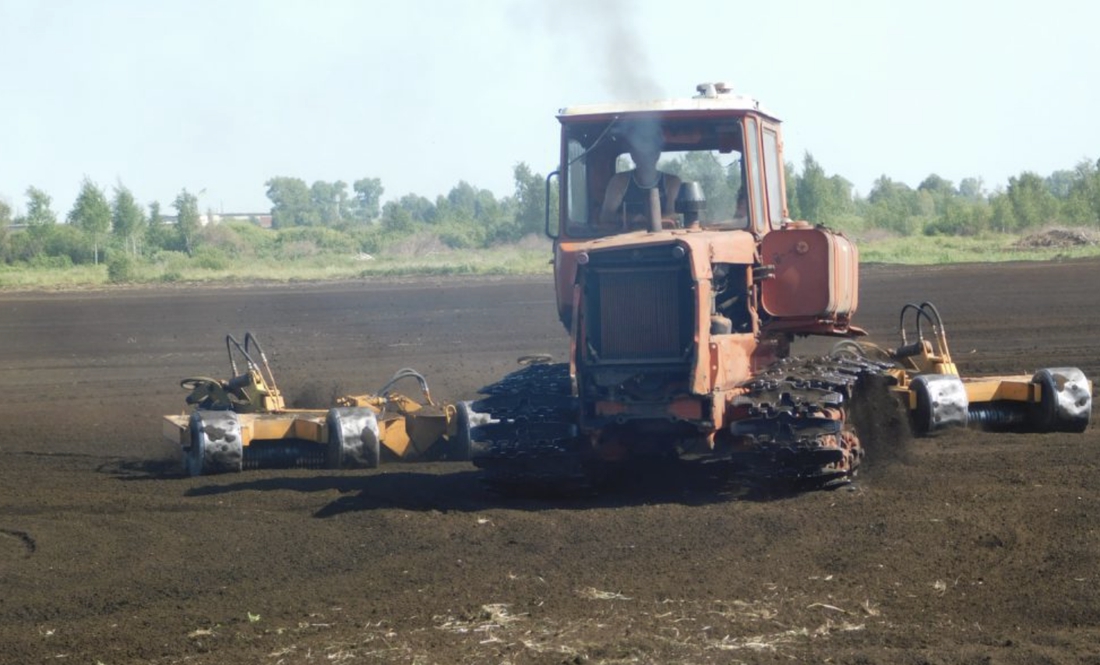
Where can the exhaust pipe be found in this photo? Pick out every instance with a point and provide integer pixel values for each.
(655, 208)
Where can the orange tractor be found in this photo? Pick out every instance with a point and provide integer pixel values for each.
(682, 288)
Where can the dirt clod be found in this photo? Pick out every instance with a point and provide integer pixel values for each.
(1058, 238)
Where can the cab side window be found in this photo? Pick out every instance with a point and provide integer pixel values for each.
(577, 199)
(773, 176)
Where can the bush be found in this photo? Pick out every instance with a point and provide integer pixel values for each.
(455, 236)
(50, 262)
(419, 245)
(325, 239)
(163, 237)
(229, 239)
(370, 240)
(211, 258)
(169, 257)
(261, 241)
(171, 263)
(298, 249)
(120, 269)
(60, 240)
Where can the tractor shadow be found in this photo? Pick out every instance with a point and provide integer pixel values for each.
(129, 469)
(460, 488)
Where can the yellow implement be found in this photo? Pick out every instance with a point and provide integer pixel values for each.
(243, 423)
(928, 384)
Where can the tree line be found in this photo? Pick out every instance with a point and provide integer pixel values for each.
(333, 217)
(306, 220)
(1069, 197)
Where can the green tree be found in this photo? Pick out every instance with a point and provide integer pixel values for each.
(127, 219)
(466, 210)
(1082, 205)
(937, 185)
(291, 203)
(792, 178)
(187, 219)
(157, 233)
(841, 199)
(1030, 201)
(718, 185)
(936, 192)
(498, 217)
(1060, 182)
(38, 208)
(530, 198)
(460, 205)
(419, 209)
(5, 222)
(893, 206)
(40, 220)
(397, 219)
(819, 197)
(329, 202)
(368, 194)
(972, 189)
(92, 214)
(960, 216)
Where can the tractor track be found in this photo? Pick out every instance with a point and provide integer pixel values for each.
(530, 445)
(794, 419)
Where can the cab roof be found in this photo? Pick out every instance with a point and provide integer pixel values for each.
(712, 97)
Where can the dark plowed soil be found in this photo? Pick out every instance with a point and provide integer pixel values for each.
(973, 548)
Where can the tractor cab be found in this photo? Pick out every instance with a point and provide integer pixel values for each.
(703, 177)
(724, 143)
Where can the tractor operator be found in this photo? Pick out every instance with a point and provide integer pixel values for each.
(626, 200)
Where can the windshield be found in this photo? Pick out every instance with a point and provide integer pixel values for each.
(611, 168)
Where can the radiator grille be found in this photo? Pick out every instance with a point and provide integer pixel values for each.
(640, 314)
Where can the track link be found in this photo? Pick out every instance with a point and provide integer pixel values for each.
(525, 438)
(794, 422)
(792, 425)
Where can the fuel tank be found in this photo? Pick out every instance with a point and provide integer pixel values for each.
(816, 273)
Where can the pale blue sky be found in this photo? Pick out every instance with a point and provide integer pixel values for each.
(220, 95)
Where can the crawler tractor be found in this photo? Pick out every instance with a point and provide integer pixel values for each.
(682, 303)
(243, 423)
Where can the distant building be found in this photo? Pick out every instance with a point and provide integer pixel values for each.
(261, 219)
